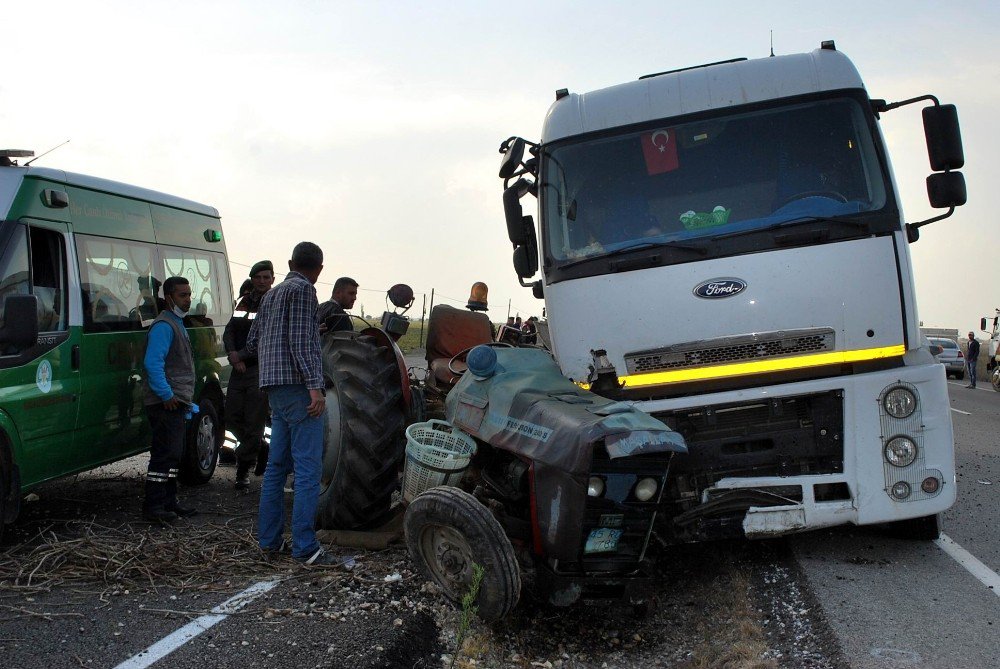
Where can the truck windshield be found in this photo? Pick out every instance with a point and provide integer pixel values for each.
(715, 177)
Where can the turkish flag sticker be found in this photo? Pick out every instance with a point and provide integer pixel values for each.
(659, 148)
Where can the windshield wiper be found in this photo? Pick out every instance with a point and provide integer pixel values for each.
(843, 222)
(699, 250)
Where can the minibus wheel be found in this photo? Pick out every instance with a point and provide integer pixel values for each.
(448, 531)
(925, 528)
(201, 447)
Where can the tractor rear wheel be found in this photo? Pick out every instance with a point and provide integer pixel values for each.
(364, 441)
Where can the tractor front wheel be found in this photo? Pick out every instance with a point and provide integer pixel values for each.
(448, 532)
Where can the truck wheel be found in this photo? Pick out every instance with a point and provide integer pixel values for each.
(201, 447)
(925, 528)
(447, 531)
(995, 379)
(4, 493)
(364, 443)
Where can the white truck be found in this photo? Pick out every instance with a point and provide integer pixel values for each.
(723, 246)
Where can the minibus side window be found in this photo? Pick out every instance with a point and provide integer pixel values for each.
(48, 278)
(120, 292)
(14, 277)
(207, 284)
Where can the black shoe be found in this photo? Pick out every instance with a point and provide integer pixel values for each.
(320, 559)
(243, 476)
(161, 516)
(184, 511)
(284, 549)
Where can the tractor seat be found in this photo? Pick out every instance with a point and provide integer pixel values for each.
(450, 332)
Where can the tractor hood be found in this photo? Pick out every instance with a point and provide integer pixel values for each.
(735, 317)
(527, 407)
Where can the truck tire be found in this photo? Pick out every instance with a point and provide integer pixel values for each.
(447, 531)
(364, 442)
(201, 446)
(995, 379)
(4, 493)
(925, 528)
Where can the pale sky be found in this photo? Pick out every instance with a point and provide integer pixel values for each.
(372, 128)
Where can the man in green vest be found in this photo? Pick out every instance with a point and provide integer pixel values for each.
(169, 391)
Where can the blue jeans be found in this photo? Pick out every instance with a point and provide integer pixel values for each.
(296, 444)
(971, 366)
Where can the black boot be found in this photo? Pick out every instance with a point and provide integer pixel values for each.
(243, 476)
(173, 505)
(154, 507)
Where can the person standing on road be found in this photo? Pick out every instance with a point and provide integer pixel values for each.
(246, 403)
(168, 389)
(285, 339)
(332, 314)
(971, 358)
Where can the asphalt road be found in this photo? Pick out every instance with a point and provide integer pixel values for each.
(895, 603)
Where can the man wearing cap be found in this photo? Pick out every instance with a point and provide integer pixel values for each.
(246, 403)
(332, 314)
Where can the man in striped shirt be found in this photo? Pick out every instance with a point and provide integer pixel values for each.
(285, 339)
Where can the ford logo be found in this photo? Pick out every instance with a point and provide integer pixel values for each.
(717, 288)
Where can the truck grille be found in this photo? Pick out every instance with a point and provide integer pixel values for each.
(742, 348)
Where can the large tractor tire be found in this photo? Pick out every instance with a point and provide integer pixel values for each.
(447, 532)
(364, 442)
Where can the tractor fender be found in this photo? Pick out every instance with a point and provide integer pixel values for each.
(383, 339)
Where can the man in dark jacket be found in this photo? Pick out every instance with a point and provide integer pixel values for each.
(971, 359)
(246, 403)
(168, 388)
(332, 314)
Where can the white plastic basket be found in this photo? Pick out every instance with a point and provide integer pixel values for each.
(437, 453)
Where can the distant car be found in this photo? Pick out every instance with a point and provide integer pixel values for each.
(951, 356)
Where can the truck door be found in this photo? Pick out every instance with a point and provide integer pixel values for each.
(41, 387)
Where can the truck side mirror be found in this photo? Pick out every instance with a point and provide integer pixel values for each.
(20, 321)
(982, 324)
(512, 157)
(946, 189)
(526, 258)
(516, 225)
(944, 138)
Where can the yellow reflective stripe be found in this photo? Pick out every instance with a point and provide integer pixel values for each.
(758, 366)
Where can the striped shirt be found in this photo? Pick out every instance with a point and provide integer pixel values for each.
(285, 336)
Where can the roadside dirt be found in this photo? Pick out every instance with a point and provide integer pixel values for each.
(738, 605)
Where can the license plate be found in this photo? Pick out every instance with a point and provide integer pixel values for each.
(602, 540)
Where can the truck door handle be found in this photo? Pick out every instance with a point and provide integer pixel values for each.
(74, 357)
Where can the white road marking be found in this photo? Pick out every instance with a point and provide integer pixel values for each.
(172, 642)
(962, 385)
(964, 413)
(984, 574)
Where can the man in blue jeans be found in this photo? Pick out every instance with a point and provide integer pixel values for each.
(972, 359)
(285, 339)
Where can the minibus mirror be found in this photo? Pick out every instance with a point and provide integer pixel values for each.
(512, 158)
(944, 138)
(946, 189)
(20, 316)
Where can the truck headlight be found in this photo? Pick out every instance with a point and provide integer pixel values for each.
(595, 486)
(899, 402)
(645, 489)
(901, 490)
(900, 451)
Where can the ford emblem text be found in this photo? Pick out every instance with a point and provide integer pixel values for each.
(717, 288)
